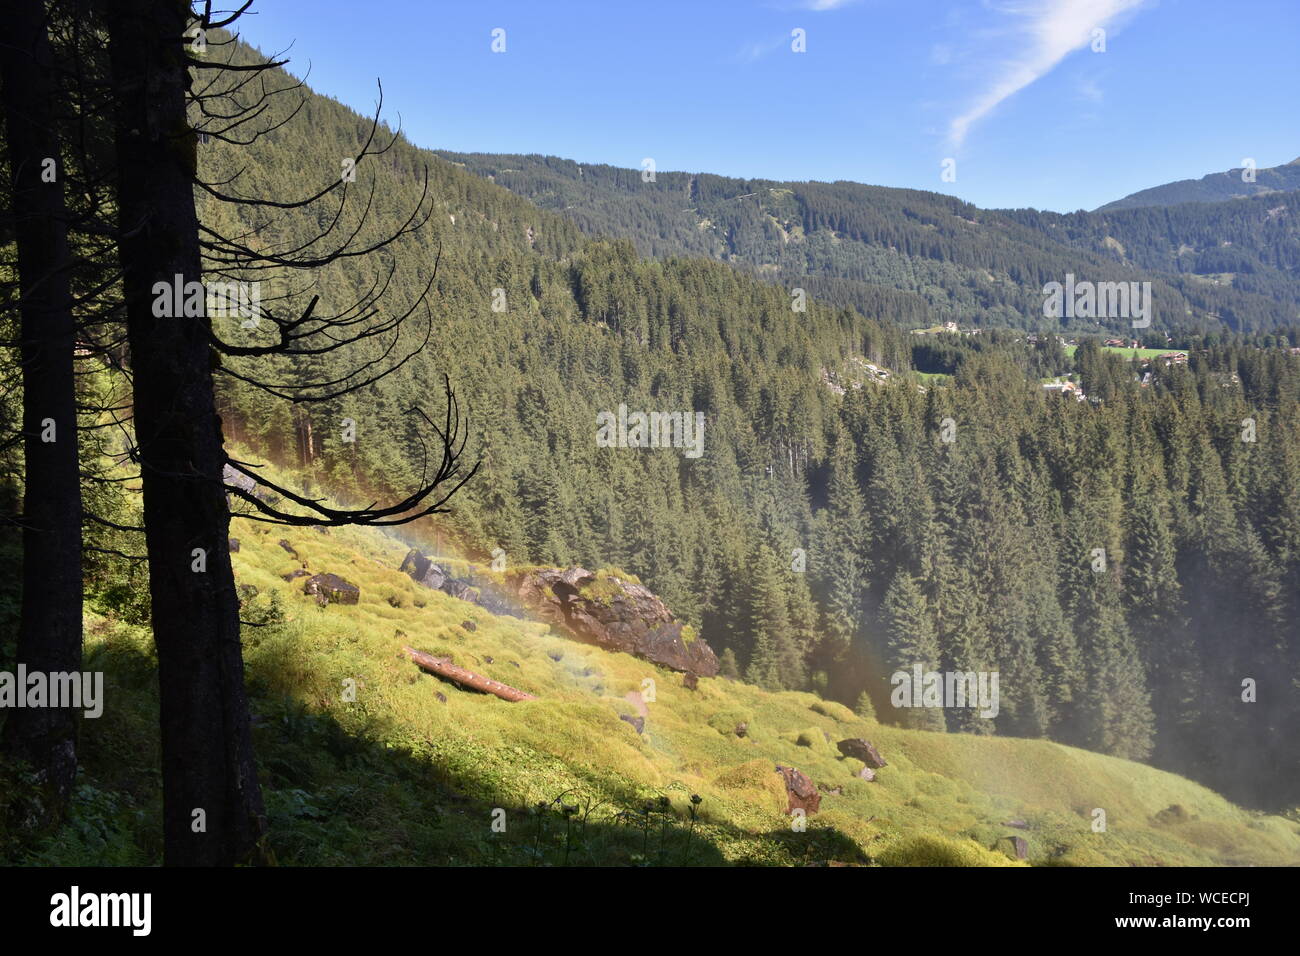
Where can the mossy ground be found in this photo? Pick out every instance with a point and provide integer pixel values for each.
(412, 770)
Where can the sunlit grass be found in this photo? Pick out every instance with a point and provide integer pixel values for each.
(367, 760)
(943, 798)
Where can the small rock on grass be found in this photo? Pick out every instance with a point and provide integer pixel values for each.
(638, 723)
(863, 750)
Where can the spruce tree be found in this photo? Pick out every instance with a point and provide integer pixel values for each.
(911, 641)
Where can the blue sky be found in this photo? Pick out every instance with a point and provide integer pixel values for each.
(1011, 90)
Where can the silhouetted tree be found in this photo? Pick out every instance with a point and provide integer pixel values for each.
(49, 635)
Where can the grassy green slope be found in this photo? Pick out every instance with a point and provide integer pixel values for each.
(411, 770)
(941, 794)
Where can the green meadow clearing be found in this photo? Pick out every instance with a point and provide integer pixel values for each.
(1131, 354)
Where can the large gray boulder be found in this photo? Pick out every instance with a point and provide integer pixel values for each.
(800, 790)
(615, 614)
(485, 592)
(331, 589)
(237, 479)
(863, 750)
(422, 570)
(601, 609)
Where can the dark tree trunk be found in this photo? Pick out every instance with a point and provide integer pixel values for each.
(206, 743)
(303, 433)
(49, 635)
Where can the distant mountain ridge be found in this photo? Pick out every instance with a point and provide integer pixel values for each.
(914, 257)
(1214, 187)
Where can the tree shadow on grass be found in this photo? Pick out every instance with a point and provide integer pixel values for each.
(336, 797)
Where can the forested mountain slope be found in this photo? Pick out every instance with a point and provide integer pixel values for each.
(913, 256)
(1251, 245)
(826, 535)
(1213, 187)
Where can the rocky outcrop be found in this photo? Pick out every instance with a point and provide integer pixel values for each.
(486, 593)
(613, 614)
(421, 570)
(237, 479)
(601, 609)
(800, 790)
(862, 750)
(331, 589)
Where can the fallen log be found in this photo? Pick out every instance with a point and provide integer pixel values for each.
(443, 667)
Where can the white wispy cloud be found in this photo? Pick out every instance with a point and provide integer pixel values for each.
(1090, 90)
(815, 6)
(1047, 31)
(757, 49)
